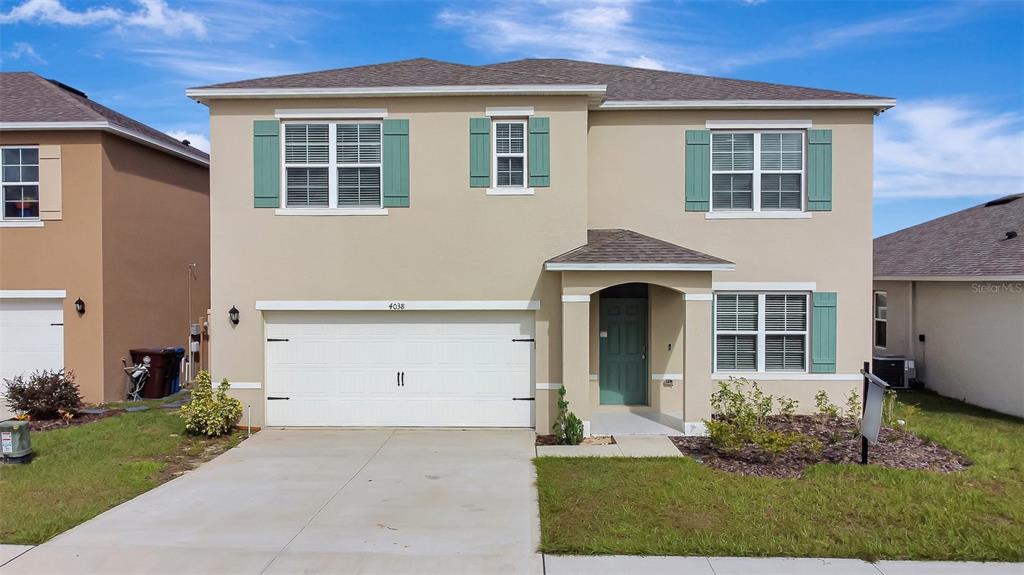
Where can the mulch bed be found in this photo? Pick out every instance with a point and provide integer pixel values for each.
(80, 419)
(593, 440)
(840, 443)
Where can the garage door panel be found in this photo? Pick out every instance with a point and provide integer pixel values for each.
(339, 369)
(31, 337)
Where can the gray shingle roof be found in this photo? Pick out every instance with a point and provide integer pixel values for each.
(625, 83)
(618, 246)
(28, 97)
(972, 242)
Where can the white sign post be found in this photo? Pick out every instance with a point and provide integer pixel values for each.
(871, 416)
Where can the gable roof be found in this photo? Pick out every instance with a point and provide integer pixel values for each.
(610, 249)
(975, 242)
(608, 86)
(31, 102)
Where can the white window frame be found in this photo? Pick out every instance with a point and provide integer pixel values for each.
(524, 154)
(757, 172)
(761, 333)
(3, 184)
(885, 320)
(332, 170)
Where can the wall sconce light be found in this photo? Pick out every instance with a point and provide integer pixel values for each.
(79, 306)
(233, 315)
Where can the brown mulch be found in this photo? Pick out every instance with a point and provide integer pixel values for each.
(80, 419)
(593, 440)
(840, 443)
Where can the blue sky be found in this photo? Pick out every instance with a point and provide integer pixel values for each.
(955, 139)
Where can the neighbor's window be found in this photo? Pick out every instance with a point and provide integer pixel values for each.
(757, 171)
(20, 183)
(332, 165)
(510, 153)
(881, 318)
(760, 332)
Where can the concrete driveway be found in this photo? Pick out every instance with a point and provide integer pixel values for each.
(324, 501)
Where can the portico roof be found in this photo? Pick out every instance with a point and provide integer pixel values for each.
(626, 250)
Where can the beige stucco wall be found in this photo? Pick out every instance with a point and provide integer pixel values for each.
(453, 243)
(974, 341)
(156, 220)
(899, 332)
(66, 254)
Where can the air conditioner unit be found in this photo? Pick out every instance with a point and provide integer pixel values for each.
(898, 372)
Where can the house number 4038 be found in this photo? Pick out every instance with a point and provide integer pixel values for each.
(396, 306)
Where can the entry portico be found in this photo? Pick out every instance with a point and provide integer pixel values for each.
(636, 328)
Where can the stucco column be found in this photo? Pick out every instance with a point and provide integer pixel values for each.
(698, 384)
(576, 355)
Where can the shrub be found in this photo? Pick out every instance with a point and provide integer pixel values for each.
(210, 412)
(825, 407)
(44, 394)
(787, 406)
(568, 428)
(739, 424)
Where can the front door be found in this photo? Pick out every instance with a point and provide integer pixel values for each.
(623, 351)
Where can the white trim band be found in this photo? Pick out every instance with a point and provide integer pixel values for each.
(667, 376)
(757, 124)
(508, 111)
(510, 191)
(329, 113)
(1008, 278)
(637, 267)
(561, 89)
(697, 297)
(764, 286)
(548, 386)
(397, 306)
(575, 298)
(107, 127)
(242, 385)
(21, 223)
(33, 294)
(767, 215)
(331, 212)
(875, 103)
(783, 376)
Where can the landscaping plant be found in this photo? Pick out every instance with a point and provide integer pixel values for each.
(825, 407)
(44, 394)
(739, 424)
(568, 428)
(210, 413)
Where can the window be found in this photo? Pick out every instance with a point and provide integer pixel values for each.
(510, 153)
(332, 165)
(760, 332)
(881, 318)
(757, 171)
(20, 183)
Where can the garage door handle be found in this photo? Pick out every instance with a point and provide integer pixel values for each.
(56, 324)
(524, 399)
(272, 398)
(277, 339)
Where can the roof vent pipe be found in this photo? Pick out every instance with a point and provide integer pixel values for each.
(1010, 235)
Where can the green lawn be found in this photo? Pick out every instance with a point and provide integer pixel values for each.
(79, 472)
(678, 507)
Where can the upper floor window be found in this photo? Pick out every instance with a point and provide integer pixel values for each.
(332, 165)
(761, 332)
(881, 318)
(757, 171)
(20, 182)
(510, 153)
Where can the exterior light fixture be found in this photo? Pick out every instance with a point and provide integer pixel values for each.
(79, 306)
(233, 315)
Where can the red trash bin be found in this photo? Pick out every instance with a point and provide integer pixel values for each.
(160, 364)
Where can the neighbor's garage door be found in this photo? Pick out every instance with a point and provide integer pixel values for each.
(410, 368)
(31, 336)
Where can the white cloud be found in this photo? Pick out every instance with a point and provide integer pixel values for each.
(150, 15)
(196, 139)
(946, 148)
(23, 51)
(212, 63)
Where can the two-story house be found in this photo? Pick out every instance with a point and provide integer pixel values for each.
(421, 243)
(104, 236)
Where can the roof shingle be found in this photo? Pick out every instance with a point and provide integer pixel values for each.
(617, 246)
(971, 242)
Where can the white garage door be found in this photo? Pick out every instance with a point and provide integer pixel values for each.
(31, 337)
(411, 368)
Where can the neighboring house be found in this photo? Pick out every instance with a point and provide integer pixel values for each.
(949, 293)
(101, 209)
(422, 243)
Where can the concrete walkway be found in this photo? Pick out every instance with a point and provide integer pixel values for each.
(324, 501)
(616, 564)
(624, 446)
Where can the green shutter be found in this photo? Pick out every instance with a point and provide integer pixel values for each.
(540, 152)
(396, 163)
(819, 170)
(266, 161)
(698, 170)
(823, 333)
(479, 152)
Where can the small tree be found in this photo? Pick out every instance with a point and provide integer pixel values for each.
(44, 394)
(568, 428)
(210, 412)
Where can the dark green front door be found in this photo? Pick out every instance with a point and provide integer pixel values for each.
(623, 351)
